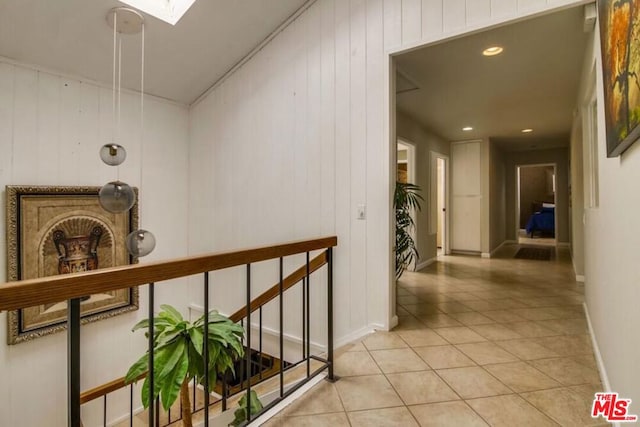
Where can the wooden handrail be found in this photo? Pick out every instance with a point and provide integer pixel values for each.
(287, 282)
(47, 290)
(271, 293)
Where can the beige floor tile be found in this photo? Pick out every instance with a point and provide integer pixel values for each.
(453, 307)
(503, 316)
(510, 411)
(587, 360)
(421, 308)
(421, 387)
(398, 360)
(463, 296)
(447, 414)
(567, 371)
(509, 303)
(355, 363)
(472, 382)
(388, 417)
(496, 331)
(484, 353)
(531, 329)
(564, 406)
(367, 392)
(422, 337)
(319, 420)
(408, 299)
(521, 377)
(383, 340)
(539, 313)
(483, 305)
(446, 356)
(568, 345)
(438, 320)
(321, 399)
(471, 318)
(408, 323)
(459, 335)
(567, 326)
(526, 349)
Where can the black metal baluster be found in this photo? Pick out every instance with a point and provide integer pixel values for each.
(104, 411)
(195, 405)
(330, 312)
(206, 349)
(308, 320)
(281, 330)
(225, 379)
(304, 317)
(131, 405)
(73, 362)
(248, 354)
(150, 348)
(158, 411)
(260, 349)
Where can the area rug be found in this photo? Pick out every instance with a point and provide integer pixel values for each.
(540, 254)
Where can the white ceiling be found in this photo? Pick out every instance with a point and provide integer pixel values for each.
(182, 62)
(532, 84)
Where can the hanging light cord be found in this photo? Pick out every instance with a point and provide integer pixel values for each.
(141, 119)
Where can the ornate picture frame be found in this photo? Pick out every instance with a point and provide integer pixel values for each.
(59, 230)
(619, 33)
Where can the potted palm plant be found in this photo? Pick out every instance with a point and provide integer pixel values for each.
(178, 356)
(405, 200)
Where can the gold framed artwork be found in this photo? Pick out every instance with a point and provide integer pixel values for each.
(619, 35)
(60, 230)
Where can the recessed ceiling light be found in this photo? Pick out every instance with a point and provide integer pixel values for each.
(527, 130)
(467, 128)
(492, 51)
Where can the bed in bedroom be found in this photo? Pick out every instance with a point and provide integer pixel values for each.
(543, 220)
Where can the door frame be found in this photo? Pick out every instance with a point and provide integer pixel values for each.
(433, 192)
(555, 195)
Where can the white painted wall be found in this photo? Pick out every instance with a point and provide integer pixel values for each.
(51, 128)
(426, 142)
(612, 271)
(290, 144)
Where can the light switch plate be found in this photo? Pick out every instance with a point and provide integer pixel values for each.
(362, 212)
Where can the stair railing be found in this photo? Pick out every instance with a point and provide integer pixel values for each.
(72, 287)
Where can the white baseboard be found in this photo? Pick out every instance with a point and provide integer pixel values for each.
(354, 336)
(579, 278)
(485, 255)
(425, 263)
(394, 322)
(465, 252)
(596, 351)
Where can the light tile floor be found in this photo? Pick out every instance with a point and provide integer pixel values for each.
(500, 342)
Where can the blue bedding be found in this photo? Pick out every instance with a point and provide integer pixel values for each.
(542, 221)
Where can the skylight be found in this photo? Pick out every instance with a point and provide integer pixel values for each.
(169, 11)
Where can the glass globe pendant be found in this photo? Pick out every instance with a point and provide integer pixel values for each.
(116, 197)
(113, 154)
(141, 243)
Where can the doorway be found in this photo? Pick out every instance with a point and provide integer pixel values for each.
(439, 201)
(536, 221)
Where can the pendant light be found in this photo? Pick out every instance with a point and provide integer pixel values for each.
(118, 196)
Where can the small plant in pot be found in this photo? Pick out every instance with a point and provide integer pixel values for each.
(179, 357)
(406, 199)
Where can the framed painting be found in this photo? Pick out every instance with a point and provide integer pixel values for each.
(60, 230)
(620, 46)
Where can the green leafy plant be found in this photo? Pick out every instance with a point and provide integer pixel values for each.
(178, 347)
(406, 199)
(255, 406)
